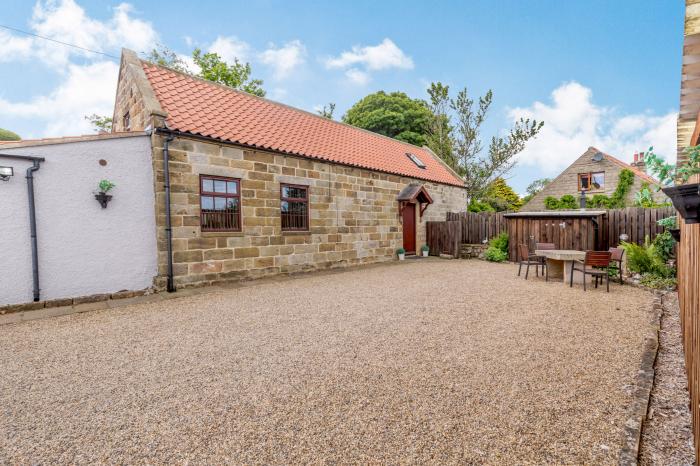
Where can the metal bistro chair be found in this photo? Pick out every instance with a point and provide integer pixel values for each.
(526, 259)
(595, 264)
(616, 255)
(543, 259)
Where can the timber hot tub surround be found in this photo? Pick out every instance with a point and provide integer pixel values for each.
(258, 188)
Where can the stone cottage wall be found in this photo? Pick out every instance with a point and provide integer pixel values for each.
(567, 182)
(354, 216)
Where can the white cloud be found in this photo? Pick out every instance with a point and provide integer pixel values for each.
(573, 122)
(86, 82)
(66, 21)
(284, 59)
(230, 48)
(373, 57)
(357, 76)
(87, 89)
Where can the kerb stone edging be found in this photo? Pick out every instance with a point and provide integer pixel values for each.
(642, 390)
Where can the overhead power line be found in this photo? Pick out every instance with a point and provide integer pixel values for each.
(58, 41)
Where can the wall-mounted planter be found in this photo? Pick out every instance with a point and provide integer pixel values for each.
(686, 200)
(103, 199)
(676, 233)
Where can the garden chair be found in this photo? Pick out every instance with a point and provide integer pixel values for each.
(616, 256)
(595, 264)
(542, 259)
(525, 258)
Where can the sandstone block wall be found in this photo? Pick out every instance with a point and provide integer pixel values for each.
(354, 215)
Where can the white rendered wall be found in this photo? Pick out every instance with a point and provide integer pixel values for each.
(83, 249)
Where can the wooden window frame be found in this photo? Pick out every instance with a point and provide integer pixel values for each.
(590, 181)
(295, 199)
(226, 195)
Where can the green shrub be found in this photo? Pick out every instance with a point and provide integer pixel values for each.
(638, 257)
(400, 251)
(669, 223)
(425, 247)
(567, 201)
(663, 245)
(660, 283)
(7, 135)
(599, 201)
(476, 205)
(624, 183)
(494, 254)
(500, 242)
(551, 203)
(646, 259)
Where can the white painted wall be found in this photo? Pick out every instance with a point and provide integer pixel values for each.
(83, 249)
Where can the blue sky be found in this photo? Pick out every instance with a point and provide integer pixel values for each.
(597, 72)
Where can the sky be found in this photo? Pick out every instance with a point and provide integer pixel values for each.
(598, 73)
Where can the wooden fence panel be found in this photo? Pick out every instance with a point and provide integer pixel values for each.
(689, 300)
(577, 233)
(444, 237)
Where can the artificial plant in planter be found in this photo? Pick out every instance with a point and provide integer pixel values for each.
(685, 197)
(671, 225)
(425, 250)
(105, 186)
(401, 252)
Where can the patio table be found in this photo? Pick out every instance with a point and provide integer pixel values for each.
(559, 263)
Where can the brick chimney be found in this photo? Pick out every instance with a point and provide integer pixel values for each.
(638, 162)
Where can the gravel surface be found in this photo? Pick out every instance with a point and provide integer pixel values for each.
(667, 436)
(423, 361)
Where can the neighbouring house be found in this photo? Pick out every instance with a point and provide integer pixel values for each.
(259, 188)
(594, 172)
(81, 249)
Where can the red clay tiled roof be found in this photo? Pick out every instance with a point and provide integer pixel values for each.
(199, 107)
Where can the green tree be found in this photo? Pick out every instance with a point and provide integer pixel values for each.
(100, 123)
(480, 171)
(535, 187)
(327, 111)
(500, 196)
(439, 137)
(236, 75)
(163, 56)
(212, 68)
(7, 135)
(395, 115)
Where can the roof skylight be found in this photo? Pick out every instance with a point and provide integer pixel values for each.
(416, 160)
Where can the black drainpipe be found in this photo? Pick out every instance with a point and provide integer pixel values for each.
(32, 217)
(168, 223)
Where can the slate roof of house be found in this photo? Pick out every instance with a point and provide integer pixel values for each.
(208, 109)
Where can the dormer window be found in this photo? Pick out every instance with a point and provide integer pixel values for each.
(419, 163)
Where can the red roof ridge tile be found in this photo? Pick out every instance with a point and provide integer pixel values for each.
(629, 167)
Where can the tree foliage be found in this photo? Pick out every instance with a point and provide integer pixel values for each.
(535, 187)
(100, 123)
(327, 111)
(395, 115)
(236, 75)
(439, 137)
(464, 152)
(212, 68)
(163, 56)
(7, 135)
(500, 196)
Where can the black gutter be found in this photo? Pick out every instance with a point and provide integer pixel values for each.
(168, 222)
(36, 161)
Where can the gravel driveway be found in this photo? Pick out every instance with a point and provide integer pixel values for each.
(423, 361)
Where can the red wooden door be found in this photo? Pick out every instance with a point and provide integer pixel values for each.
(409, 228)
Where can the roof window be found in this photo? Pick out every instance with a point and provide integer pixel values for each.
(416, 160)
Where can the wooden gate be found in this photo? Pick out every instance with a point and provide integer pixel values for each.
(444, 237)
